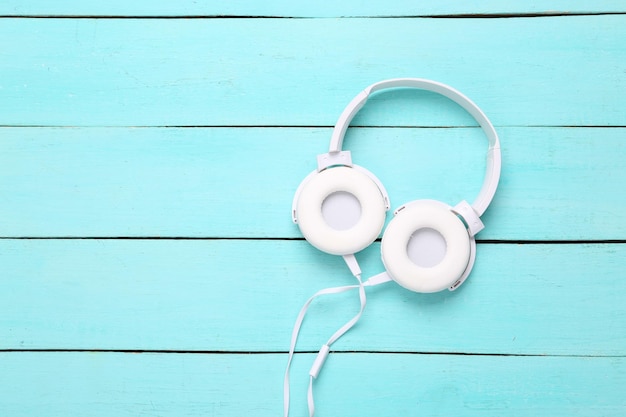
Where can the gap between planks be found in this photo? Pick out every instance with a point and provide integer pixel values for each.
(355, 126)
(485, 241)
(281, 352)
(425, 16)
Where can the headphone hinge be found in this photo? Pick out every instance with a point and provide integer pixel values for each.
(469, 216)
(329, 159)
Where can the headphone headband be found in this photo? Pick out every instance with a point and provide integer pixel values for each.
(492, 175)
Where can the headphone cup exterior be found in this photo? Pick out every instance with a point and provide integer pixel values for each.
(316, 229)
(411, 218)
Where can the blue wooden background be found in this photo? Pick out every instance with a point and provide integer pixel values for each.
(149, 152)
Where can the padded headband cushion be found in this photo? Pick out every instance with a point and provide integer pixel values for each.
(418, 215)
(311, 220)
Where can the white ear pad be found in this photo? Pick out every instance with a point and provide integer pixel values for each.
(311, 220)
(415, 216)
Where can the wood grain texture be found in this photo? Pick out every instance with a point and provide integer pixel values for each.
(557, 183)
(300, 9)
(62, 384)
(234, 72)
(201, 127)
(244, 296)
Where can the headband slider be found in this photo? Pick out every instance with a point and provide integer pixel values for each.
(329, 159)
(470, 217)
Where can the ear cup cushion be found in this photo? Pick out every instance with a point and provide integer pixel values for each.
(318, 232)
(418, 215)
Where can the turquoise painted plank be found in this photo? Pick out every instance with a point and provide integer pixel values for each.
(229, 295)
(155, 72)
(300, 9)
(105, 384)
(557, 183)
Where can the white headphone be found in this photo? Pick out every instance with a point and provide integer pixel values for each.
(446, 245)
(446, 233)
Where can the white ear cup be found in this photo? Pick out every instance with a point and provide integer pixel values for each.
(413, 217)
(311, 220)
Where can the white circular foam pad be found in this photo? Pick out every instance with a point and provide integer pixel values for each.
(421, 214)
(311, 220)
